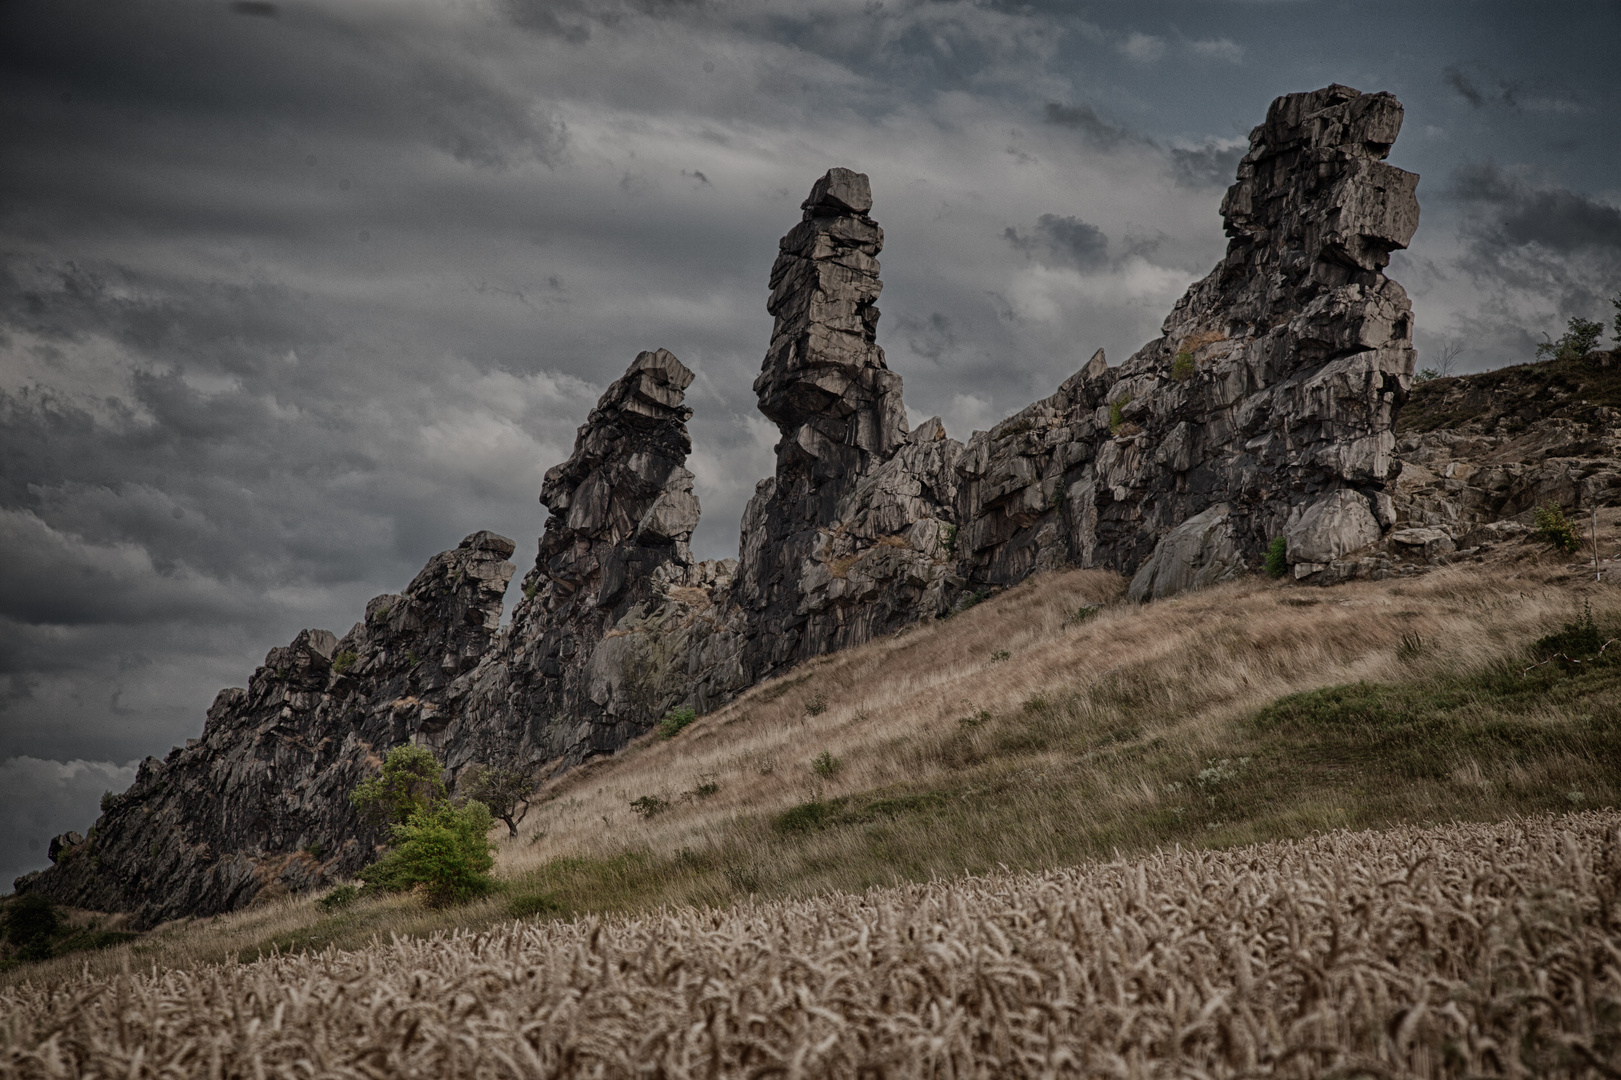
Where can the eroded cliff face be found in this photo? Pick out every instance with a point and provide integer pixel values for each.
(1264, 409)
(261, 800)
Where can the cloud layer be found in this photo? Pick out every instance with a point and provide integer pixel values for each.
(295, 294)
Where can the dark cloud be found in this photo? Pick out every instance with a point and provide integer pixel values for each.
(1063, 241)
(1084, 120)
(1460, 82)
(1210, 165)
(1518, 214)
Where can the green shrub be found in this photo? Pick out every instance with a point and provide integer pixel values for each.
(826, 765)
(108, 801)
(649, 806)
(528, 905)
(316, 850)
(808, 816)
(1277, 557)
(1426, 374)
(344, 661)
(816, 704)
(339, 898)
(1616, 302)
(411, 783)
(675, 720)
(1553, 526)
(1579, 338)
(951, 535)
(707, 786)
(1183, 367)
(1576, 641)
(999, 655)
(443, 850)
(31, 923)
(1117, 414)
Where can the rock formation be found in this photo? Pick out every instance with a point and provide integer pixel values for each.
(260, 801)
(1264, 409)
(603, 641)
(848, 539)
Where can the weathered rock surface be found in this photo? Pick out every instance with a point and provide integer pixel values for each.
(618, 624)
(260, 801)
(1272, 391)
(1481, 452)
(850, 538)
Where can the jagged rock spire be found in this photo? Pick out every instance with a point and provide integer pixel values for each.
(622, 504)
(824, 382)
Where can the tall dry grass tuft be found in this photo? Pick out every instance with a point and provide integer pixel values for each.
(1465, 950)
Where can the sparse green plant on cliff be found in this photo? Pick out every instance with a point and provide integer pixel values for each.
(1615, 301)
(344, 661)
(675, 720)
(1553, 526)
(1183, 367)
(1117, 414)
(411, 782)
(1579, 338)
(505, 791)
(1277, 557)
(444, 850)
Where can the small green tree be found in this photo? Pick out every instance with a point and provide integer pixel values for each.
(1553, 526)
(443, 849)
(411, 782)
(505, 791)
(1579, 338)
(1615, 301)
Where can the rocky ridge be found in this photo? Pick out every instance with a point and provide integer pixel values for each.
(1265, 408)
(258, 805)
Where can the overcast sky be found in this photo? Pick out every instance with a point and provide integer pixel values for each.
(294, 295)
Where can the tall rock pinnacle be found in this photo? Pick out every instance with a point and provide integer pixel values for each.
(838, 407)
(824, 382)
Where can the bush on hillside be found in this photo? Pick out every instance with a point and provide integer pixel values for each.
(443, 850)
(31, 923)
(675, 720)
(1553, 526)
(1580, 337)
(411, 783)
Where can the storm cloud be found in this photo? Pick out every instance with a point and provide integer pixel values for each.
(294, 295)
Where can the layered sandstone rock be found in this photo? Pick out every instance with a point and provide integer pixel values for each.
(1271, 392)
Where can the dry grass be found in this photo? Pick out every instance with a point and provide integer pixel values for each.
(1466, 950)
(1080, 730)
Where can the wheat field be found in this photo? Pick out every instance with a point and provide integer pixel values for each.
(1456, 951)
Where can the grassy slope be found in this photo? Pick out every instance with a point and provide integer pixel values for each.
(1018, 735)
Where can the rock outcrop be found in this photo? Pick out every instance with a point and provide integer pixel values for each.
(259, 805)
(1264, 410)
(850, 537)
(616, 614)
(1272, 390)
